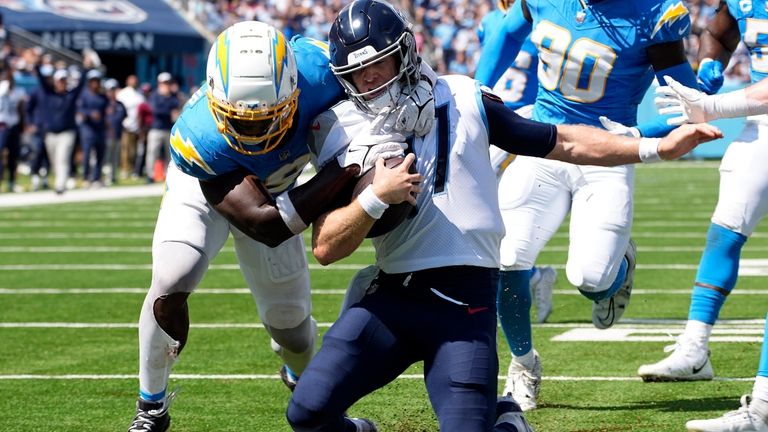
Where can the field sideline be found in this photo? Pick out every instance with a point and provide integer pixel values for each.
(73, 276)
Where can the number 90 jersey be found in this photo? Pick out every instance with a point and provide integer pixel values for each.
(200, 150)
(593, 61)
(752, 17)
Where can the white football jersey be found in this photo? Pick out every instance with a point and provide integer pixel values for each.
(457, 220)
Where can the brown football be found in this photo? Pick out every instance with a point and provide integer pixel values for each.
(395, 214)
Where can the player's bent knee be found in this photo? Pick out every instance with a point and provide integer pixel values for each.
(172, 315)
(302, 419)
(297, 339)
(587, 280)
(285, 316)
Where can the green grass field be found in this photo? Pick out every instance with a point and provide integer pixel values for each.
(73, 277)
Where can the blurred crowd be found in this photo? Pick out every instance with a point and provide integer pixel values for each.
(71, 126)
(75, 124)
(446, 30)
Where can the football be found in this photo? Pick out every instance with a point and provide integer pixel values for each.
(395, 214)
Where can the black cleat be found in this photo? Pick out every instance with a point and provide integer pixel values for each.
(150, 417)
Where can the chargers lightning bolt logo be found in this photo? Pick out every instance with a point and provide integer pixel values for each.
(673, 13)
(187, 151)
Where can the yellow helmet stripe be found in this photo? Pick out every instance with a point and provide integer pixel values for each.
(222, 57)
(672, 14)
(279, 50)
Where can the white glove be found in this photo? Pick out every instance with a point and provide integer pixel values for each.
(617, 128)
(415, 112)
(690, 105)
(366, 148)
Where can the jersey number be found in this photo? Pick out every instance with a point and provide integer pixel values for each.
(511, 85)
(581, 76)
(756, 37)
(443, 135)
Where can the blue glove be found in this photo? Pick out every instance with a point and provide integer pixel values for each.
(710, 76)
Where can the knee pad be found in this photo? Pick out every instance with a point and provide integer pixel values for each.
(285, 315)
(298, 340)
(172, 315)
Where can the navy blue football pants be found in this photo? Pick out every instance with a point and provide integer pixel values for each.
(445, 317)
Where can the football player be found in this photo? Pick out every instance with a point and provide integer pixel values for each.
(743, 197)
(433, 299)
(596, 59)
(691, 105)
(517, 88)
(240, 140)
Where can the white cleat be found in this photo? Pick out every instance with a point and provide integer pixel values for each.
(689, 361)
(542, 292)
(741, 420)
(523, 384)
(606, 312)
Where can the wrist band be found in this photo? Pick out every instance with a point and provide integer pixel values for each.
(371, 203)
(288, 212)
(649, 150)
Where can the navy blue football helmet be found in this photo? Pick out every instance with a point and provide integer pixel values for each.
(364, 32)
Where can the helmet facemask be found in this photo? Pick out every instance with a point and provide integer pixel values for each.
(388, 93)
(254, 131)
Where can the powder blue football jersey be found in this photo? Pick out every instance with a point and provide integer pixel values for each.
(518, 86)
(752, 17)
(200, 150)
(593, 60)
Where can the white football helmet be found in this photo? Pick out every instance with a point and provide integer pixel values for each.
(252, 86)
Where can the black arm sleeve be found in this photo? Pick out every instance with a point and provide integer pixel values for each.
(515, 134)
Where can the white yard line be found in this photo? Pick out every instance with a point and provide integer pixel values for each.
(80, 195)
(250, 377)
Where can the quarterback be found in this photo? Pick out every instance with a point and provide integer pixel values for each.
(597, 58)
(240, 140)
(433, 297)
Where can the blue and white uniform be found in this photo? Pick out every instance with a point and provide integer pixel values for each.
(593, 61)
(190, 228)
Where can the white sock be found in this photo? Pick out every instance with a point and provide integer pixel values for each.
(698, 331)
(535, 276)
(760, 391)
(527, 359)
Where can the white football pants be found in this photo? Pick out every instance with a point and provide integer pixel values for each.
(536, 194)
(743, 198)
(278, 278)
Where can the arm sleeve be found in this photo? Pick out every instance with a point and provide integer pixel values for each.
(515, 134)
(502, 47)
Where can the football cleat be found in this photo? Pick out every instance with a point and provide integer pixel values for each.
(508, 412)
(689, 361)
(523, 384)
(288, 377)
(152, 416)
(741, 420)
(542, 292)
(606, 312)
(364, 425)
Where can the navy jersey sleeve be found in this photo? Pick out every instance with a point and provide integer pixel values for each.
(515, 134)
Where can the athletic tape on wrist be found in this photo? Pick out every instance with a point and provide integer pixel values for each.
(371, 203)
(649, 150)
(288, 212)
